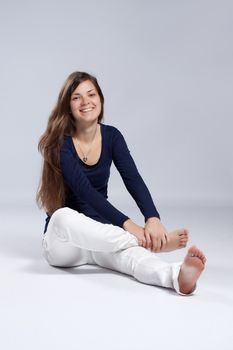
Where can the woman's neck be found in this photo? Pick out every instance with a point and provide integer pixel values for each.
(86, 133)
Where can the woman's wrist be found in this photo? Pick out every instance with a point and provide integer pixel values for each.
(153, 219)
(125, 223)
(130, 226)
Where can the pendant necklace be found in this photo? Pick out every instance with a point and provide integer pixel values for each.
(85, 156)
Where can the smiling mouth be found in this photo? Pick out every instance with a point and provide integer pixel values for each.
(86, 110)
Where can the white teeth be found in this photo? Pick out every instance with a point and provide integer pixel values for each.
(86, 110)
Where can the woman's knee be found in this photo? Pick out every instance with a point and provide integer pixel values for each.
(61, 217)
(62, 254)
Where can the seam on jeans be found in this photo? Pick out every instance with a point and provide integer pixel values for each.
(65, 238)
(135, 260)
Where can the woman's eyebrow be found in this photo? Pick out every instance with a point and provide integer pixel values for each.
(79, 94)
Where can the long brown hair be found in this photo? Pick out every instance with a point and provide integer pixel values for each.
(51, 190)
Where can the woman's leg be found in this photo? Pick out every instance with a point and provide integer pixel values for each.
(73, 239)
(63, 254)
(71, 236)
(144, 265)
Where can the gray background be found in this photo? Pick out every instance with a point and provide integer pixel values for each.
(165, 68)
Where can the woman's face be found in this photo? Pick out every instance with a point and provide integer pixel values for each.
(85, 103)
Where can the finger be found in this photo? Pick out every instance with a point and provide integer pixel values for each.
(140, 242)
(164, 241)
(143, 242)
(167, 238)
(154, 244)
(159, 245)
(148, 240)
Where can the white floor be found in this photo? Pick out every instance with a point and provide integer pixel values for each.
(42, 307)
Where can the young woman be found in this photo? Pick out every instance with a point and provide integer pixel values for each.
(82, 226)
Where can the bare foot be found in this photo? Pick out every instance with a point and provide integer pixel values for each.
(192, 267)
(177, 239)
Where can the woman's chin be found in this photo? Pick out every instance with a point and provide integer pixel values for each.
(87, 120)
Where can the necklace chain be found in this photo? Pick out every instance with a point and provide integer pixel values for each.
(85, 156)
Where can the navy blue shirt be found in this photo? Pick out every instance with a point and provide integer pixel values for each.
(87, 185)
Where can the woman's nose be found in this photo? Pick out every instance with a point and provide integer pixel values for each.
(85, 100)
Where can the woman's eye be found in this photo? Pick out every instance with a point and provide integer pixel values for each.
(78, 97)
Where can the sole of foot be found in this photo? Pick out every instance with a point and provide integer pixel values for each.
(191, 269)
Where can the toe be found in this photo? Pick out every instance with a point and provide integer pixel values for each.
(200, 254)
(204, 258)
(192, 250)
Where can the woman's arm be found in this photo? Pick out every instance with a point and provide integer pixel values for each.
(154, 232)
(131, 177)
(137, 231)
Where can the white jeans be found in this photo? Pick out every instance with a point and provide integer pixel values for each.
(73, 239)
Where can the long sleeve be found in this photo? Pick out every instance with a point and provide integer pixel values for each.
(131, 177)
(78, 182)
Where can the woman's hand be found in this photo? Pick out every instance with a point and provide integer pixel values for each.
(156, 234)
(136, 230)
